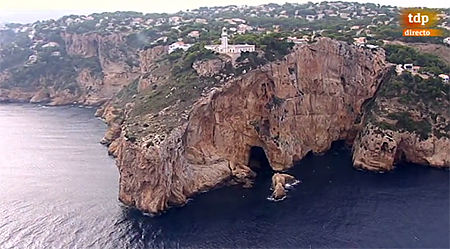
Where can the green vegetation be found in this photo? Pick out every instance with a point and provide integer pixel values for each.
(405, 122)
(14, 49)
(248, 61)
(182, 85)
(411, 90)
(128, 92)
(182, 61)
(185, 89)
(9, 39)
(59, 72)
(273, 45)
(275, 102)
(402, 54)
(141, 39)
(13, 56)
(429, 94)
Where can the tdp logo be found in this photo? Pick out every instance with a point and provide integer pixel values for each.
(416, 22)
(418, 18)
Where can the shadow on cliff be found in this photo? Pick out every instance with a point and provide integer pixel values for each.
(259, 163)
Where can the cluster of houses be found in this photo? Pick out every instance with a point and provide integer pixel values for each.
(313, 11)
(296, 40)
(415, 70)
(223, 47)
(133, 22)
(178, 45)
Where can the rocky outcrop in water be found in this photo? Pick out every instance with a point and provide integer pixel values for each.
(279, 184)
(379, 149)
(412, 125)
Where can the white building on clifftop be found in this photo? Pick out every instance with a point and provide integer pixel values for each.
(225, 48)
(447, 40)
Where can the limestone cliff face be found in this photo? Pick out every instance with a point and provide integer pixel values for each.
(103, 65)
(48, 96)
(208, 68)
(300, 104)
(379, 149)
(85, 45)
(398, 132)
(147, 58)
(113, 58)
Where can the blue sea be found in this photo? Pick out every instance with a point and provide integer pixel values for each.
(58, 189)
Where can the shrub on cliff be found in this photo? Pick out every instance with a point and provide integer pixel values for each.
(182, 61)
(10, 57)
(274, 45)
(405, 122)
(248, 61)
(410, 90)
(141, 39)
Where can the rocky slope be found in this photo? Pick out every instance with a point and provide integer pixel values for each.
(180, 126)
(303, 103)
(408, 121)
(85, 69)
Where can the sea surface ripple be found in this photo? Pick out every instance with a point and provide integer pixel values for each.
(58, 189)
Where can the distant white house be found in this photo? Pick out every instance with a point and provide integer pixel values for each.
(50, 44)
(178, 45)
(371, 46)
(310, 18)
(360, 40)
(411, 68)
(445, 78)
(161, 39)
(238, 20)
(200, 20)
(296, 40)
(32, 59)
(224, 47)
(447, 40)
(194, 33)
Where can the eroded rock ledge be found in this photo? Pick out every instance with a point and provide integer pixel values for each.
(280, 183)
(300, 104)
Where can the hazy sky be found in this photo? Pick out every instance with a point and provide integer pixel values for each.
(31, 10)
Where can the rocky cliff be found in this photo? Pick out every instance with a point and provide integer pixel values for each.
(185, 123)
(303, 103)
(85, 69)
(408, 121)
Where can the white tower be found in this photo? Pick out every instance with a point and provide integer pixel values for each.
(224, 39)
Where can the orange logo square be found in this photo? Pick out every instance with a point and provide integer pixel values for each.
(416, 22)
(418, 18)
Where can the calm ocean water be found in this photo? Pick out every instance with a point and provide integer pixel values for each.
(58, 189)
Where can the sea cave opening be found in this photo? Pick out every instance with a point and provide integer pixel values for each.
(259, 163)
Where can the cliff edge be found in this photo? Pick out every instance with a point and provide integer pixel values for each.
(302, 103)
(183, 123)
